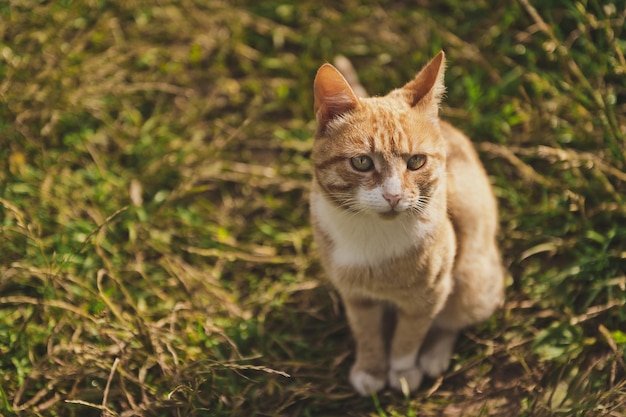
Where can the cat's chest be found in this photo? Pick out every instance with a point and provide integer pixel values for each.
(366, 240)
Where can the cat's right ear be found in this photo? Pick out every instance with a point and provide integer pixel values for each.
(333, 95)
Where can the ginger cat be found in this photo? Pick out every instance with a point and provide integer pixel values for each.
(405, 221)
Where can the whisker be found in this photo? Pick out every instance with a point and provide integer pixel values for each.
(420, 205)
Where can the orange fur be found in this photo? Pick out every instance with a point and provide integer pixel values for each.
(410, 224)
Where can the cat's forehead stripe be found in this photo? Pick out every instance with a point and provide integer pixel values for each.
(388, 130)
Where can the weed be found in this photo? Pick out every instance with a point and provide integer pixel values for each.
(155, 252)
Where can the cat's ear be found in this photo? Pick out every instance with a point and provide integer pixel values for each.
(427, 88)
(333, 95)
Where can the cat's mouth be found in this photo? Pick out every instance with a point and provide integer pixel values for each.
(389, 214)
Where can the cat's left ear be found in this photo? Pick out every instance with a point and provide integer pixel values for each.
(333, 95)
(425, 91)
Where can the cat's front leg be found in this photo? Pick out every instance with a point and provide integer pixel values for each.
(435, 355)
(411, 328)
(369, 372)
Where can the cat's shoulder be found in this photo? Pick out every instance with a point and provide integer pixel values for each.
(459, 145)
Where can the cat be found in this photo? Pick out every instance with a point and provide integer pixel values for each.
(405, 220)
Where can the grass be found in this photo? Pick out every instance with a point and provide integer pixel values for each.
(155, 252)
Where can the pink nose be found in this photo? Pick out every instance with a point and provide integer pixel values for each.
(392, 199)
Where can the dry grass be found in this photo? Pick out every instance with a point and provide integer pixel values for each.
(155, 252)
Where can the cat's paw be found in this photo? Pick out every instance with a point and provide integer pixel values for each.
(434, 360)
(405, 379)
(366, 383)
(434, 364)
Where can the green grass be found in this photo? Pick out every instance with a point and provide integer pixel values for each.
(155, 253)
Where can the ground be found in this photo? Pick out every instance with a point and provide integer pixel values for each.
(156, 256)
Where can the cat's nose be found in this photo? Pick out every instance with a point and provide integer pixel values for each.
(392, 198)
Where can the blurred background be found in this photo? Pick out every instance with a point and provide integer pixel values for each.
(156, 257)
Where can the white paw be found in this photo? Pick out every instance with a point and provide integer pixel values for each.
(435, 359)
(405, 380)
(434, 363)
(365, 383)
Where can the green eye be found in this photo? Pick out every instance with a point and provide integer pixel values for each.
(416, 162)
(362, 163)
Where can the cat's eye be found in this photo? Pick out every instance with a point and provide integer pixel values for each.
(362, 163)
(416, 162)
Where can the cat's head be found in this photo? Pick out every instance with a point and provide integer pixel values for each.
(382, 155)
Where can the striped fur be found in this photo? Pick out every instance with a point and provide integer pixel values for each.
(414, 230)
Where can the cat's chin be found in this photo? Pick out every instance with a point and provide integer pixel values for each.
(389, 215)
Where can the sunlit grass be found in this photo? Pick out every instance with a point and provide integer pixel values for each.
(155, 251)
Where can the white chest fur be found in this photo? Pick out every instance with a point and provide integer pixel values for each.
(366, 238)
